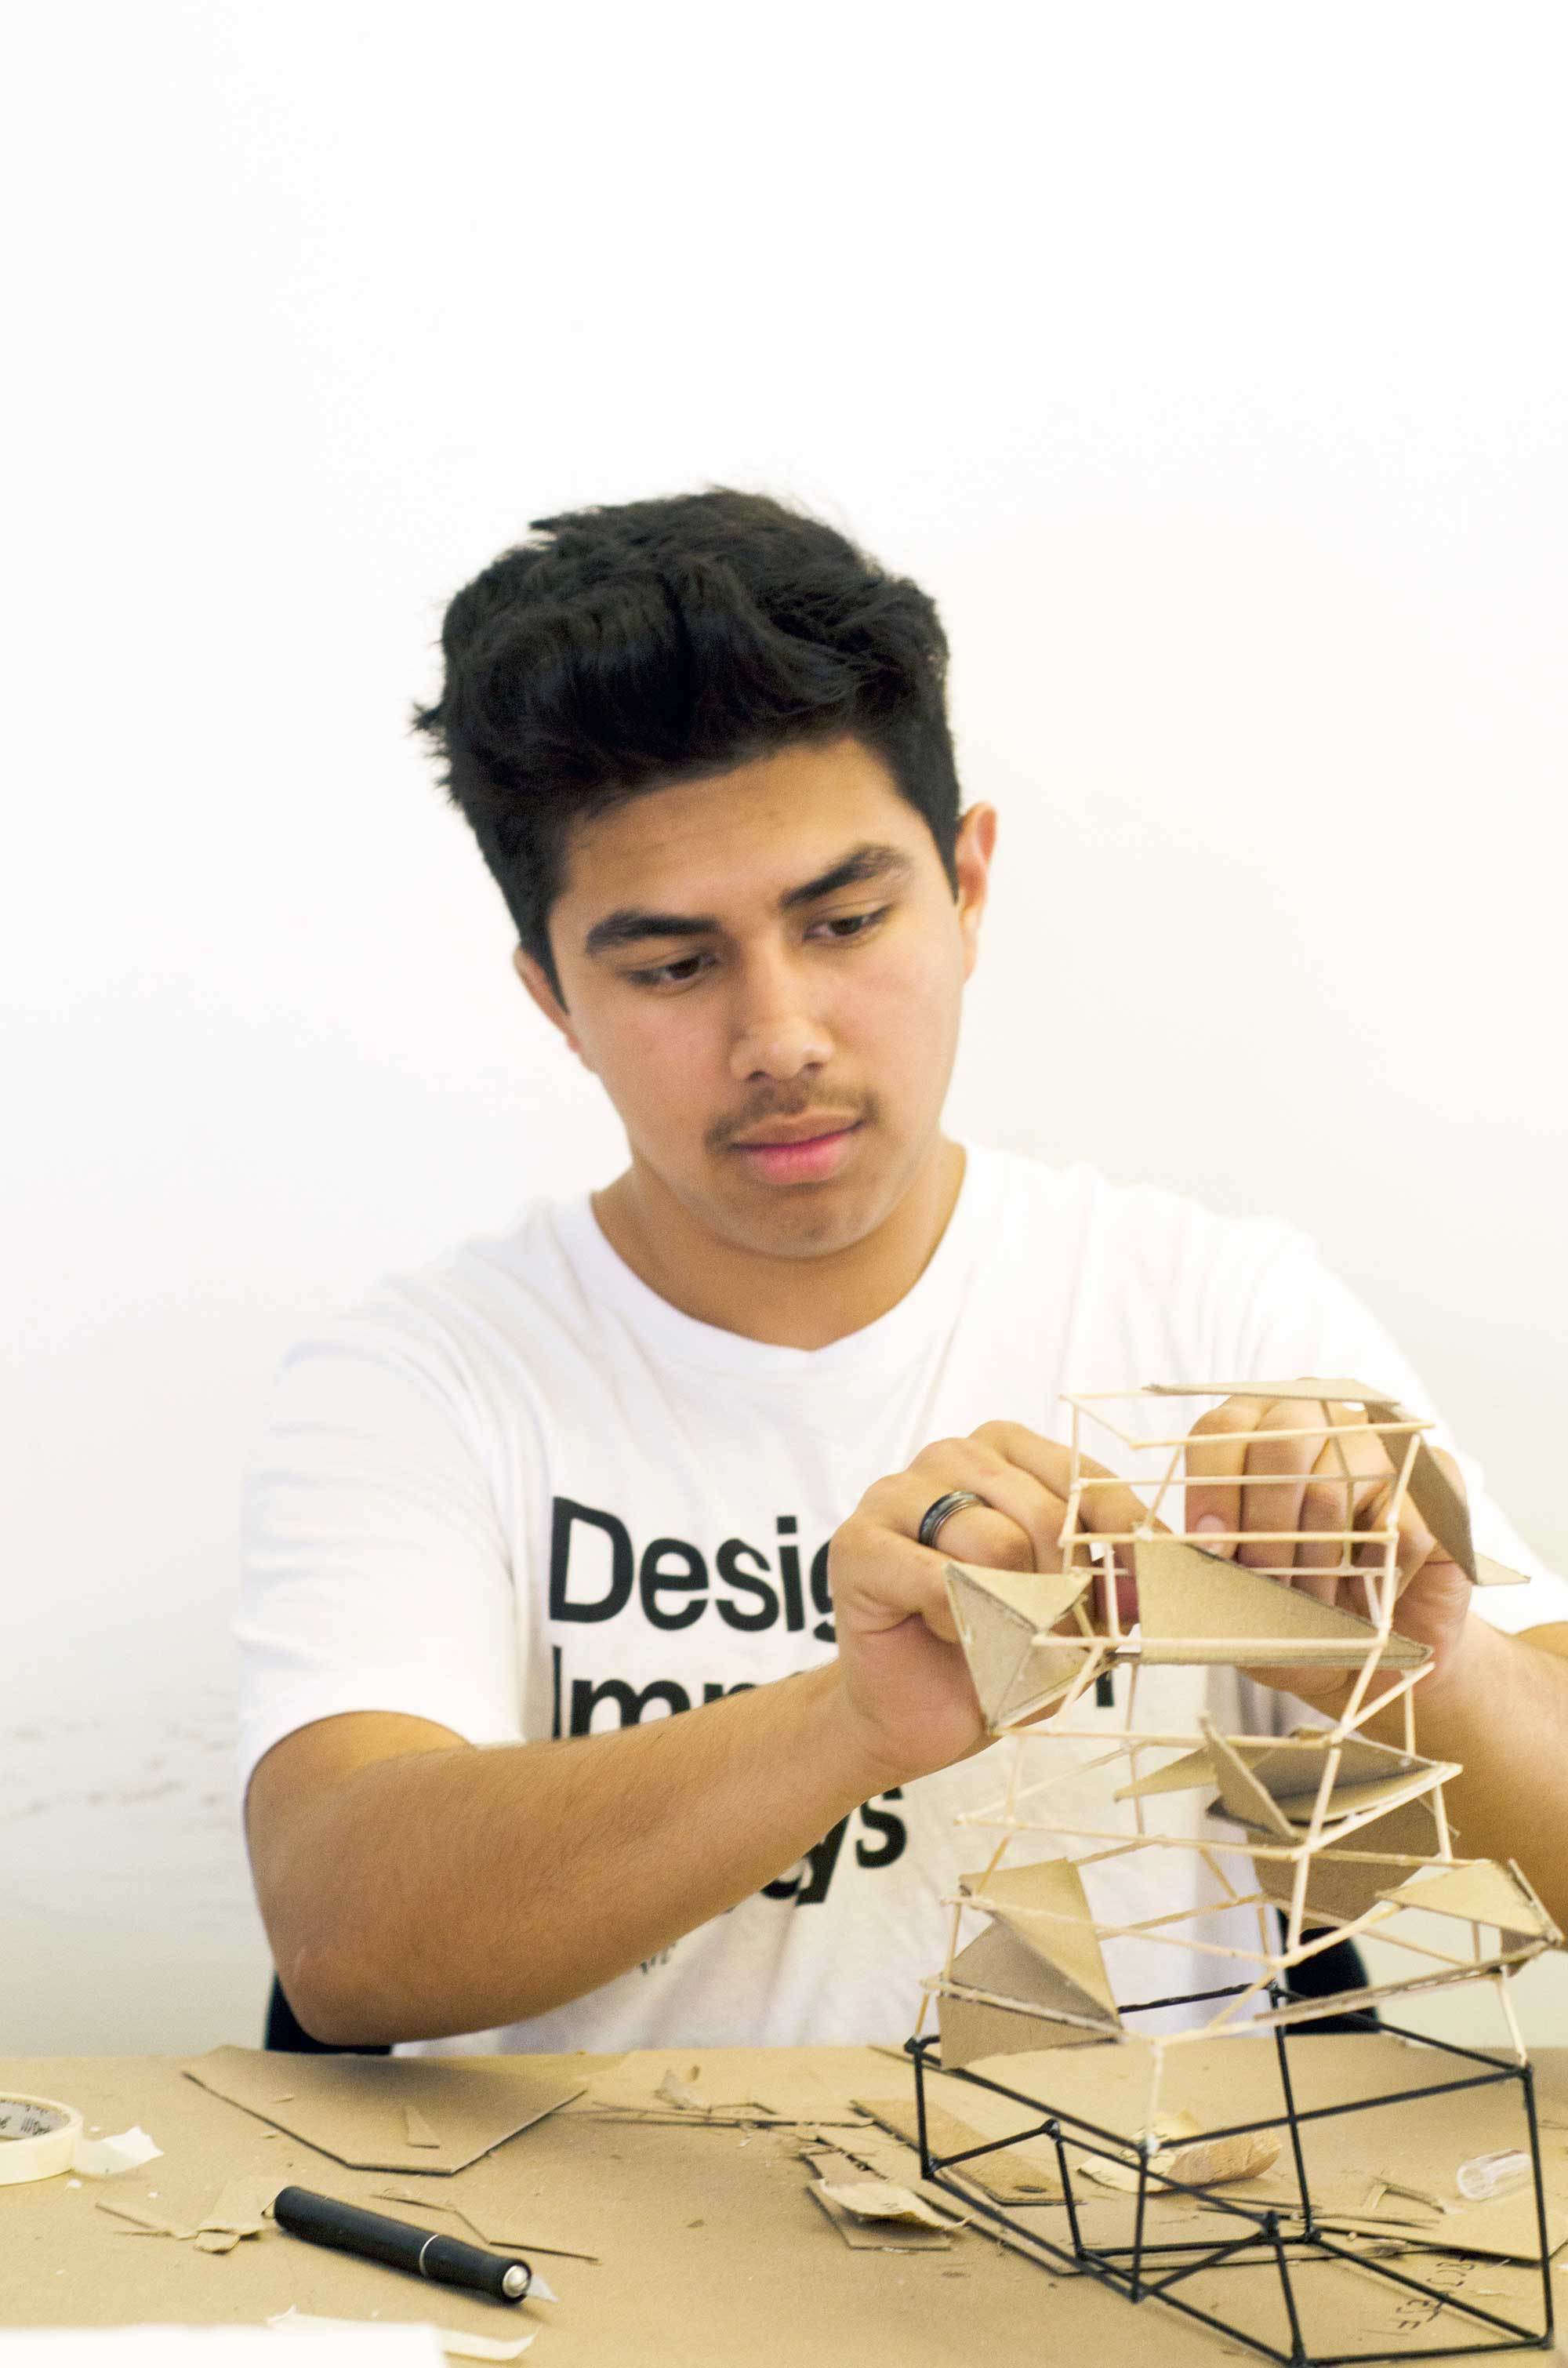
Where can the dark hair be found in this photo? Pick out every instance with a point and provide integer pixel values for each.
(622, 650)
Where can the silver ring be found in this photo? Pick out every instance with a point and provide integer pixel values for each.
(956, 1501)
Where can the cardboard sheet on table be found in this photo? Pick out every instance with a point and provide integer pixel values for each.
(739, 2084)
(355, 2108)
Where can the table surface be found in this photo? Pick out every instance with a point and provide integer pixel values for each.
(711, 2248)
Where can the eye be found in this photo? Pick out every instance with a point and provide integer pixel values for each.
(679, 972)
(843, 928)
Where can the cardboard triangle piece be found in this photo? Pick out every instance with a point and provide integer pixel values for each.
(1441, 1504)
(1000, 1963)
(356, 2108)
(999, 1614)
(1345, 1884)
(1189, 1598)
(1369, 1773)
(1483, 1893)
(1242, 1795)
(1045, 1671)
(1044, 1904)
(1489, 1573)
(1194, 1772)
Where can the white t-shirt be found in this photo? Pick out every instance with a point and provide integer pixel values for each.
(522, 1495)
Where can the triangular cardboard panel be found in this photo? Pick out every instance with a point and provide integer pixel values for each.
(1242, 1795)
(1440, 1505)
(1045, 1904)
(1345, 1885)
(1290, 1769)
(1000, 1963)
(994, 1638)
(1482, 1893)
(1045, 1670)
(999, 1615)
(1194, 1772)
(1369, 1773)
(1497, 1573)
(1187, 1594)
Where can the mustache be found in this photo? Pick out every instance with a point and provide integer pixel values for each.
(792, 1104)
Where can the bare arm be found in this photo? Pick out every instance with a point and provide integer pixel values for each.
(413, 1885)
(1501, 1708)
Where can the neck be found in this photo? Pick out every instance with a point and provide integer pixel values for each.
(790, 1303)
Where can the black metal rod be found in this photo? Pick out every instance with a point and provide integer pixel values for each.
(1529, 2085)
(1298, 2352)
(1294, 2124)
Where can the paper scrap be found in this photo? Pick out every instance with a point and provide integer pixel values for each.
(416, 2129)
(878, 2236)
(456, 2346)
(675, 2091)
(877, 2199)
(108, 2157)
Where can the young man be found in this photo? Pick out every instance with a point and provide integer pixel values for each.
(669, 1450)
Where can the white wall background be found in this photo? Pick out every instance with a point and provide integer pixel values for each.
(1207, 362)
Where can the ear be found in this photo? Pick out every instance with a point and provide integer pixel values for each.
(536, 978)
(972, 850)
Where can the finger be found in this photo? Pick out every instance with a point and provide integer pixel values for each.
(1415, 1549)
(1016, 1527)
(1215, 1457)
(1109, 1508)
(879, 1579)
(1286, 1443)
(1350, 1475)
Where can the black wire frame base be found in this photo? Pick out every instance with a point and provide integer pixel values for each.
(1147, 2271)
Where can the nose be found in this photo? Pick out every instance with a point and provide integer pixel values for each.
(777, 1033)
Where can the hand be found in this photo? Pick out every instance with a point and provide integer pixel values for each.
(1311, 1493)
(906, 1684)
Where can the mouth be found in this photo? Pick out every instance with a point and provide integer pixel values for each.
(788, 1155)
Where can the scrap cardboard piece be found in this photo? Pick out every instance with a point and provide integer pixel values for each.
(1483, 1893)
(735, 2086)
(1210, 2162)
(352, 2107)
(1001, 1618)
(416, 2130)
(877, 2236)
(487, 2221)
(1010, 2176)
(880, 2199)
(1045, 1906)
(1197, 1607)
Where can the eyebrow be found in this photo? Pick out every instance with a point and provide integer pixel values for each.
(633, 924)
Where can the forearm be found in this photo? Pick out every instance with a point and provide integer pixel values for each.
(451, 1891)
(1502, 1712)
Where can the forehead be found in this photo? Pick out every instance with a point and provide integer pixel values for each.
(740, 838)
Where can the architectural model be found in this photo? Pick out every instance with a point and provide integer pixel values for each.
(1320, 1834)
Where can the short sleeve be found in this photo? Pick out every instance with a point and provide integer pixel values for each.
(1302, 1319)
(374, 1573)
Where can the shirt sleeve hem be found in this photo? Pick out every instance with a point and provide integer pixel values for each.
(410, 1696)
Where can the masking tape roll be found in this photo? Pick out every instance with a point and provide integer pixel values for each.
(38, 2138)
